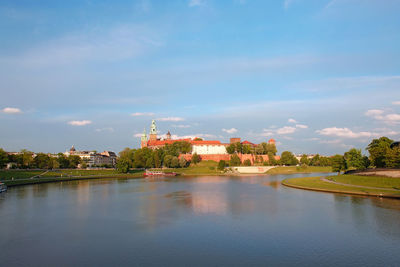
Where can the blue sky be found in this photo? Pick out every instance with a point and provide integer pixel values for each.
(317, 76)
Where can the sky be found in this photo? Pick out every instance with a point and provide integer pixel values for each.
(318, 76)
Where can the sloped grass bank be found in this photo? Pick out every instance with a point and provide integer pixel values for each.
(316, 184)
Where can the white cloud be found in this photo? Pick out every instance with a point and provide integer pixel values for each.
(292, 121)
(9, 110)
(396, 102)
(378, 114)
(301, 126)
(286, 130)
(79, 123)
(138, 114)
(107, 129)
(180, 126)
(171, 119)
(374, 112)
(230, 131)
(137, 135)
(344, 132)
(193, 3)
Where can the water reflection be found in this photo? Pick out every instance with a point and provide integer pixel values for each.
(146, 221)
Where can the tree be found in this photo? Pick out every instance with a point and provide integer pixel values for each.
(174, 162)
(315, 161)
(167, 161)
(304, 160)
(231, 149)
(271, 159)
(41, 161)
(53, 163)
(354, 159)
(247, 162)
(287, 158)
(182, 162)
(338, 163)
(3, 158)
(198, 139)
(62, 161)
(392, 158)
(221, 165)
(27, 158)
(378, 149)
(74, 161)
(123, 165)
(235, 160)
(195, 158)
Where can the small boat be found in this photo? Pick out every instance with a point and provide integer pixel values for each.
(159, 173)
(3, 187)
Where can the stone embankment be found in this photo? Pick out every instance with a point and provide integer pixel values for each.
(253, 169)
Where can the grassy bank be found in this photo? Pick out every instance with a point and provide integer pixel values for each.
(350, 184)
(202, 168)
(23, 177)
(298, 169)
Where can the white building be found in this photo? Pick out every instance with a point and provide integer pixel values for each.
(208, 147)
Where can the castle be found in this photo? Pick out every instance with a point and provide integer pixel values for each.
(207, 149)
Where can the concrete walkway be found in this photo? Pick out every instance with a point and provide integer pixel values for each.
(359, 186)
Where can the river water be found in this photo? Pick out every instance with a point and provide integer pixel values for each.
(198, 221)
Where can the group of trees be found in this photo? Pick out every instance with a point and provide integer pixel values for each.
(261, 149)
(167, 156)
(26, 160)
(382, 155)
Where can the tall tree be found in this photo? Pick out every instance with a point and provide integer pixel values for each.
(304, 160)
(338, 163)
(3, 158)
(235, 160)
(378, 149)
(287, 158)
(354, 159)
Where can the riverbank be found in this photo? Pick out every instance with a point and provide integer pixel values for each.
(349, 184)
(298, 169)
(28, 177)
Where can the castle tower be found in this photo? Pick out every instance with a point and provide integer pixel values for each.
(143, 139)
(168, 136)
(153, 131)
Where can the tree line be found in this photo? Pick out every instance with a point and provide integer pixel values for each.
(26, 160)
(381, 155)
(167, 156)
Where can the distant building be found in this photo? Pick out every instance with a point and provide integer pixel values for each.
(93, 158)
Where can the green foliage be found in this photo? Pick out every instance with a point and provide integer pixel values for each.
(3, 158)
(354, 159)
(235, 160)
(175, 162)
(338, 163)
(123, 165)
(392, 158)
(74, 161)
(42, 161)
(182, 162)
(287, 158)
(247, 162)
(271, 159)
(198, 139)
(195, 158)
(168, 161)
(304, 160)
(378, 150)
(221, 165)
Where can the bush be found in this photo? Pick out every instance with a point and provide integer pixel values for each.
(221, 165)
(247, 162)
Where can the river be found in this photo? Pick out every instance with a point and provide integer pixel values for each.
(196, 221)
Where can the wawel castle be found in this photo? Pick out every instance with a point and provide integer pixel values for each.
(207, 149)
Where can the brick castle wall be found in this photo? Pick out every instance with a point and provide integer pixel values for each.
(227, 157)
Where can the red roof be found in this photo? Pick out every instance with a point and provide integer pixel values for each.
(247, 143)
(271, 140)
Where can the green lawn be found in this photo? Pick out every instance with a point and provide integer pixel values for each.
(314, 183)
(23, 176)
(298, 169)
(371, 181)
(202, 168)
